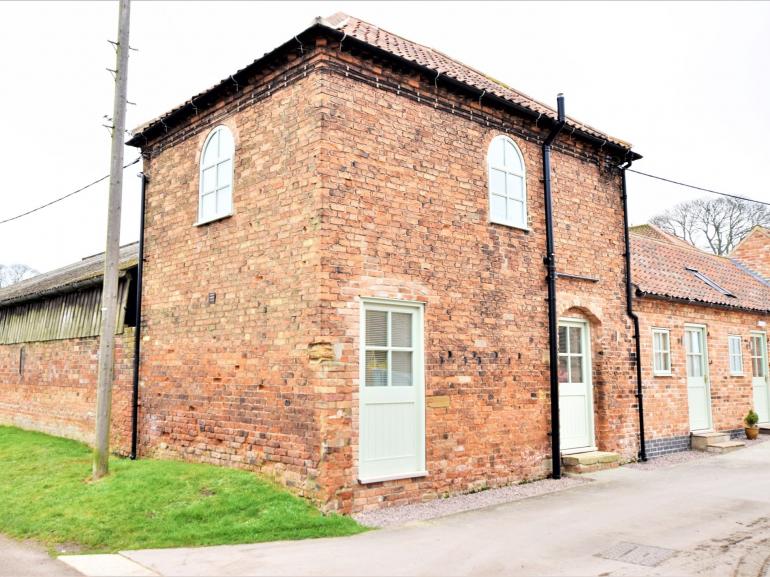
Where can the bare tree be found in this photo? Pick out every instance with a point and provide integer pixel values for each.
(715, 224)
(13, 273)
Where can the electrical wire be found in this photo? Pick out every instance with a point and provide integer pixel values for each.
(697, 187)
(73, 193)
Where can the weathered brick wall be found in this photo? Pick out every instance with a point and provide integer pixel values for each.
(228, 383)
(754, 252)
(665, 397)
(344, 189)
(56, 392)
(405, 216)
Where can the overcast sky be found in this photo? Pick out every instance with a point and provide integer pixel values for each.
(687, 83)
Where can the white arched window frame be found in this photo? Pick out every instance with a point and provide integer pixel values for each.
(507, 183)
(215, 199)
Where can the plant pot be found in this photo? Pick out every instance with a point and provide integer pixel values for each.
(751, 432)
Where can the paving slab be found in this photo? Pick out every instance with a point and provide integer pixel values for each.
(110, 565)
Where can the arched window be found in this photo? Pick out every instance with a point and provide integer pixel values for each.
(216, 177)
(507, 183)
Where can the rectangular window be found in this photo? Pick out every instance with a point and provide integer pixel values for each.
(736, 354)
(661, 352)
(389, 347)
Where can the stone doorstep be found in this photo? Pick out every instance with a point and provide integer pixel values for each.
(702, 441)
(764, 428)
(590, 458)
(725, 447)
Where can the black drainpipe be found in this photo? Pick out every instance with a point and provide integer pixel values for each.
(550, 262)
(634, 317)
(138, 327)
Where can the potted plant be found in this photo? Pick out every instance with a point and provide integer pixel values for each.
(750, 420)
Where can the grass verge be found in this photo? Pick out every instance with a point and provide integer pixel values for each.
(46, 494)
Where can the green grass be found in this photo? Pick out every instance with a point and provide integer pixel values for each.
(46, 494)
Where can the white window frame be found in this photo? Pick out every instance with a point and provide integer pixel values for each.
(664, 372)
(730, 355)
(219, 160)
(519, 174)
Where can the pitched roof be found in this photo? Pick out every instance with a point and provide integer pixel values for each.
(652, 231)
(669, 269)
(420, 56)
(71, 277)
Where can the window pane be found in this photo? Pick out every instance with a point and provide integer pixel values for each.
(497, 208)
(400, 330)
(496, 154)
(575, 340)
(562, 339)
(516, 212)
(225, 173)
(224, 201)
(666, 362)
(496, 181)
(209, 178)
(576, 369)
(694, 365)
(514, 186)
(402, 369)
(563, 375)
(512, 160)
(208, 206)
(658, 361)
(376, 328)
(376, 368)
(211, 154)
(756, 367)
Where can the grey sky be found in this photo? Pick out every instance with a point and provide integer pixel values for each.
(686, 83)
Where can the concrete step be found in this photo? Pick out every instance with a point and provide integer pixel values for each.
(702, 441)
(590, 462)
(764, 428)
(726, 447)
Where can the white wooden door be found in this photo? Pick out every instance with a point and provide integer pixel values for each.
(391, 393)
(698, 393)
(759, 379)
(576, 414)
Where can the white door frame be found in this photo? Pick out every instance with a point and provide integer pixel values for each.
(763, 358)
(706, 373)
(588, 382)
(417, 309)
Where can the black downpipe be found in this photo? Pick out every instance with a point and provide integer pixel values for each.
(550, 262)
(634, 317)
(138, 327)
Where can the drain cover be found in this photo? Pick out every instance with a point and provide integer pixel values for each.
(637, 554)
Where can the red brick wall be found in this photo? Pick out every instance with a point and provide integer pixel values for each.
(228, 383)
(56, 393)
(405, 216)
(754, 251)
(665, 397)
(343, 190)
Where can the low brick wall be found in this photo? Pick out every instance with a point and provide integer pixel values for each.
(54, 389)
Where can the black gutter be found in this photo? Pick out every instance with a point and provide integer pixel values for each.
(634, 317)
(138, 327)
(550, 262)
(699, 303)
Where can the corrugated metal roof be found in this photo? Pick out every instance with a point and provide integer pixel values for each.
(79, 274)
(422, 56)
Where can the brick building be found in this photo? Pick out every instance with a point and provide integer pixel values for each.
(703, 335)
(753, 252)
(49, 344)
(344, 283)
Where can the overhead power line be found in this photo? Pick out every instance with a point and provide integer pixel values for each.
(697, 187)
(73, 193)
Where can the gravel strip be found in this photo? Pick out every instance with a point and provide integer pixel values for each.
(673, 459)
(400, 514)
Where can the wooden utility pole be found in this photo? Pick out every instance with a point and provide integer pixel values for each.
(112, 252)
